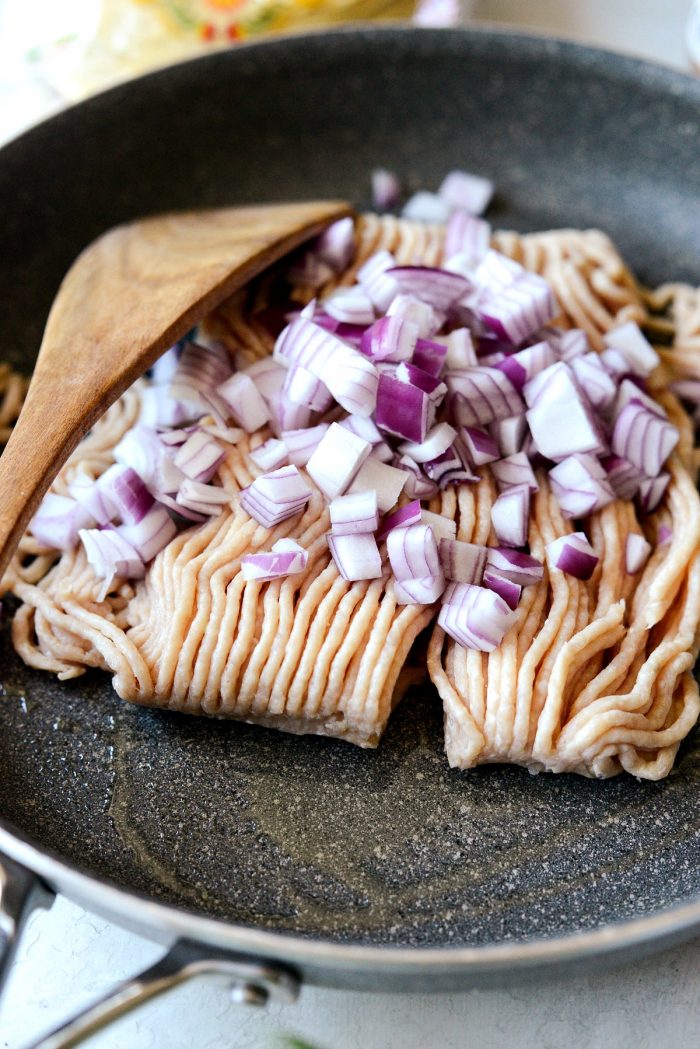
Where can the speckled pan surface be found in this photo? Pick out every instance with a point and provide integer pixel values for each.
(303, 835)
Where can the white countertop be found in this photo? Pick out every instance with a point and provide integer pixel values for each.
(68, 957)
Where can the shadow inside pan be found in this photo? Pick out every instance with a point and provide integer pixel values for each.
(309, 835)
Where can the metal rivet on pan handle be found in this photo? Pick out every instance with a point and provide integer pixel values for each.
(249, 981)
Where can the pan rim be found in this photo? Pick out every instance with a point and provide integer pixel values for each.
(128, 906)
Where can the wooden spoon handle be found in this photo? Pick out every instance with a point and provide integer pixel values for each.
(126, 299)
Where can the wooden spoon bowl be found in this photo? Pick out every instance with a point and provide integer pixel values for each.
(128, 297)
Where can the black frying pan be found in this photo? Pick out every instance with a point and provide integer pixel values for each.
(354, 868)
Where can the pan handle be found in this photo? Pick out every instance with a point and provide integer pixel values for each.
(21, 892)
(248, 980)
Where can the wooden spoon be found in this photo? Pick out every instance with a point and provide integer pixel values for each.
(128, 297)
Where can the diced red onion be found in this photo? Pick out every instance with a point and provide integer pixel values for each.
(206, 499)
(643, 438)
(462, 562)
(467, 237)
(664, 535)
(514, 565)
(573, 554)
(460, 349)
(200, 371)
(174, 438)
(510, 515)
(474, 616)
(125, 493)
(629, 339)
(300, 444)
(418, 486)
(270, 455)
(355, 513)
(520, 308)
(413, 552)
(438, 287)
(356, 556)
(482, 395)
(688, 390)
(228, 434)
(403, 517)
(58, 521)
(580, 485)
(422, 315)
(402, 409)
(514, 470)
(362, 427)
(276, 496)
(443, 527)
(111, 555)
(373, 277)
(472, 193)
(615, 363)
(623, 477)
(431, 384)
(504, 587)
(140, 448)
(268, 375)
(158, 409)
(496, 272)
(386, 190)
(651, 492)
(390, 339)
(285, 558)
(199, 457)
(480, 445)
(302, 387)
(386, 481)
(424, 591)
(336, 245)
(510, 434)
(450, 468)
(440, 438)
(382, 452)
(426, 207)
(524, 365)
(337, 459)
(594, 379)
(637, 551)
(630, 393)
(310, 271)
(163, 369)
(560, 419)
(350, 305)
(152, 533)
(181, 511)
(245, 401)
(571, 344)
(430, 356)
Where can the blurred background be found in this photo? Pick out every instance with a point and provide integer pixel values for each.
(56, 51)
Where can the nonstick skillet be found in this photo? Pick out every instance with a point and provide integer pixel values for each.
(267, 859)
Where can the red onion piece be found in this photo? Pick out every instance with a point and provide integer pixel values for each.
(386, 190)
(466, 237)
(571, 344)
(268, 376)
(110, 555)
(623, 477)
(519, 309)
(418, 486)
(496, 272)
(390, 339)
(356, 556)
(429, 356)
(524, 365)
(422, 315)
(560, 419)
(643, 438)
(443, 527)
(664, 535)
(271, 455)
(350, 305)
(336, 245)
(403, 517)
(413, 552)
(482, 395)
(514, 470)
(159, 409)
(462, 562)
(424, 591)
(480, 445)
(637, 551)
(385, 481)
(430, 384)
(58, 521)
(573, 554)
(438, 287)
(276, 496)
(687, 390)
(286, 558)
(440, 438)
(227, 434)
(362, 427)
(474, 616)
(450, 468)
(426, 207)
(504, 587)
(472, 193)
(163, 369)
(372, 276)
(199, 457)
(510, 434)
(651, 492)
(594, 379)
(205, 499)
(151, 535)
(460, 349)
(184, 512)
(630, 341)
(336, 460)
(630, 393)
(580, 486)
(514, 565)
(510, 515)
(200, 371)
(308, 270)
(303, 388)
(300, 444)
(246, 402)
(615, 363)
(402, 409)
(125, 492)
(355, 513)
